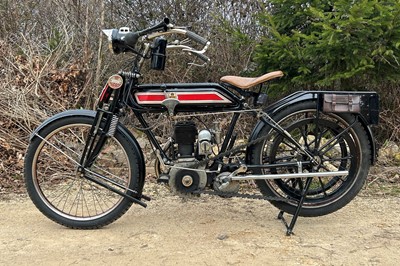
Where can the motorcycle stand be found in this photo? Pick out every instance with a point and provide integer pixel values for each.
(289, 227)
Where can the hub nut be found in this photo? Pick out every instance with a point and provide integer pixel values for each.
(187, 180)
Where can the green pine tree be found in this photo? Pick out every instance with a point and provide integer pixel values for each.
(331, 44)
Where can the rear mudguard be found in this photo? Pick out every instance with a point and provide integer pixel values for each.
(121, 128)
(368, 111)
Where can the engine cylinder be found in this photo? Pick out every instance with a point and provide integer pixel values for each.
(185, 137)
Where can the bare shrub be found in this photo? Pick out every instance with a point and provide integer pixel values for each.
(35, 85)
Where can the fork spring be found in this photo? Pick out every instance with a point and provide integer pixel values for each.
(113, 126)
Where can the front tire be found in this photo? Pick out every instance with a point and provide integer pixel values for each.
(329, 139)
(55, 186)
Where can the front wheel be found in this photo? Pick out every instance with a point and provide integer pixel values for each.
(336, 142)
(56, 186)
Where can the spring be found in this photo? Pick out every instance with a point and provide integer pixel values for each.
(113, 126)
(128, 74)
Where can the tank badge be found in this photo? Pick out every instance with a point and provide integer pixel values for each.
(172, 95)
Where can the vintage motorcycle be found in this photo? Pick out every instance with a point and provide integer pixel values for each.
(309, 153)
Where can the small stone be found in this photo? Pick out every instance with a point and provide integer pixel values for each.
(222, 236)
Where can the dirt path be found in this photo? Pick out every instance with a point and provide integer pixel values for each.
(206, 231)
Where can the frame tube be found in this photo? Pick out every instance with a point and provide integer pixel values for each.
(295, 175)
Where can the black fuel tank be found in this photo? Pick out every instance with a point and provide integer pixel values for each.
(191, 96)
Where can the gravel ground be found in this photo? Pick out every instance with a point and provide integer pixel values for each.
(206, 230)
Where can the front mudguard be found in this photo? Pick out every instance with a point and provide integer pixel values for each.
(368, 114)
(120, 128)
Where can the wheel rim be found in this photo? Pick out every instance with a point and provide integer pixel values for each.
(58, 183)
(336, 156)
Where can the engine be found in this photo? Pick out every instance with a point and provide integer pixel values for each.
(185, 135)
(190, 147)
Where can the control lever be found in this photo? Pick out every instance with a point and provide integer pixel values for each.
(199, 55)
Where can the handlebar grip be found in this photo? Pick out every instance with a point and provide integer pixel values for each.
(202, 57)
(197, 38)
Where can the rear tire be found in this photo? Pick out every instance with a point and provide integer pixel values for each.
(351, 152)
(60, 193)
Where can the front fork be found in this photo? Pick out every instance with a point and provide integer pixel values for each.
(98, 135)
(103, 127)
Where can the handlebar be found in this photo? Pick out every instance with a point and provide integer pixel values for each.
(125, 41)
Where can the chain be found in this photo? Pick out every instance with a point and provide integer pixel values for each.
(227, 153)
(238, 195)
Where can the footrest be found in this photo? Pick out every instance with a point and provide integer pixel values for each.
(146, 197)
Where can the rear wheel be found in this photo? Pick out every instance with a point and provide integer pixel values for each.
(56, 186)
(337, 143)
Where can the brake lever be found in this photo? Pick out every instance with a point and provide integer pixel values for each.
(199, 54)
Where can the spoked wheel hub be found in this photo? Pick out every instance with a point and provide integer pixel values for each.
(317, 162)
(80, 172)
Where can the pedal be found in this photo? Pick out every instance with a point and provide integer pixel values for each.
(163, 179)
